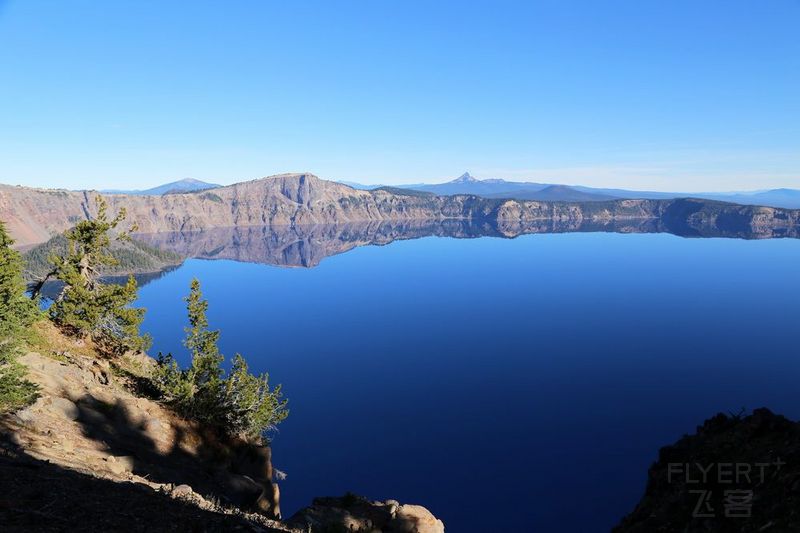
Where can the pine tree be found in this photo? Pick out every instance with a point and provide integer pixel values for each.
(87, 307)
(17, 311)
(201, 341)
(206, 372)
(238, 404)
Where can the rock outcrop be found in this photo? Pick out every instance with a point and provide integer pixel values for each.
(95, 453)
(34, 215)
(44, 497)
(90, 420)
(734, 474)
(354, 513)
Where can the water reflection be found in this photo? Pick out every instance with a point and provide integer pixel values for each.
(307, 246)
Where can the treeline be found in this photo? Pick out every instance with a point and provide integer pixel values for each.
(237, 402)
(130, 256)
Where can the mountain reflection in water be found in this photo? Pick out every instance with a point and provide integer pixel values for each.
(307, 246)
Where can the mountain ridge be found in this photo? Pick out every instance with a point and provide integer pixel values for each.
(35, 215)
(526, 190)
(173, 187)
(554, 193)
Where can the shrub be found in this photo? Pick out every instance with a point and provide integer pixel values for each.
(249, 407)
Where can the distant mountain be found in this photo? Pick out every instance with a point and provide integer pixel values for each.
(786, 198)
(789, 198)
(466, 177)
(360, 186)
(553, 193)
(175, 187)
(632, 194)
(499, 188)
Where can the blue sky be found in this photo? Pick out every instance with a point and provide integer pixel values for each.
(675, 95)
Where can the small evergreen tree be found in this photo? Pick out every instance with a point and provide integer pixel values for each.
(239, 404)
(87, 307)
(206, 372)
(17, 312)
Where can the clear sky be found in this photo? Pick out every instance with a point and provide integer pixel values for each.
(682, 95)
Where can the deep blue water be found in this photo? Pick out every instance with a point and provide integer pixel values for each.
(524, 383)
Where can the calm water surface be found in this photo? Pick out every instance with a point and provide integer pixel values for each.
(524, 383)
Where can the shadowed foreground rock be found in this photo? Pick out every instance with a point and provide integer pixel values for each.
(86, 420)
(41, 496)
(95, 452)
(734, 474)
(354, 513)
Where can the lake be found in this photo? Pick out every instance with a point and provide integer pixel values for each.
(526, 383)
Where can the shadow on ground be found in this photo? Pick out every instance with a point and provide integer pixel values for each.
(228, 471)
(40, 496)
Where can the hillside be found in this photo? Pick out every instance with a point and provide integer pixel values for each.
(134, 257)
(94, 422)
(96, 452)
(34, 215)
(751, 480)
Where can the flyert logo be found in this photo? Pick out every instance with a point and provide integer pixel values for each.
(736, 498)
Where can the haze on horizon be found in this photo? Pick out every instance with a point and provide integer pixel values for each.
(678, 96)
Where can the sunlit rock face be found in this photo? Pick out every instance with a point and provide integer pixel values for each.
(34, 215)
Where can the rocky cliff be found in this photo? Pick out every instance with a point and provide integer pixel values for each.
(34, 215)
(735, 474)
(96, 452)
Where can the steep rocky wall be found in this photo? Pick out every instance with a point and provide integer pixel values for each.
(34, 215)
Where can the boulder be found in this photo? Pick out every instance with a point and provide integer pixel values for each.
(183, 492)
(242, 491)
(65, 407)
(416, 519)
(355, 513)
(269, 501)
(255, 464)
(26, 415)
(253, 461)
(100, 372)
(120, 464)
